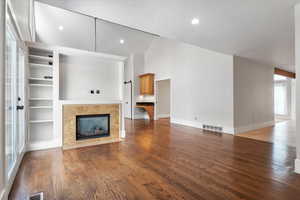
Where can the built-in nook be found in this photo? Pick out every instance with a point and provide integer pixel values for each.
(68, 86)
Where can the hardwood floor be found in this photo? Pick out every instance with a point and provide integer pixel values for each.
(162, 161)
(283, 133)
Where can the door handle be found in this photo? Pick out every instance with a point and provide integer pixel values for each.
(20, 107)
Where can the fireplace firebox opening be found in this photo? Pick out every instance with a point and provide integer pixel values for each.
(92, 126)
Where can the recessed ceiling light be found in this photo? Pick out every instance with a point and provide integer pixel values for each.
(60, 28)
(195, 21)
(122, 41)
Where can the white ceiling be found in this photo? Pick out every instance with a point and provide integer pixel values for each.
(258, 29)
(79, 32)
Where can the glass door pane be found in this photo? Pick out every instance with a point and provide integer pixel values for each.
(10, 101)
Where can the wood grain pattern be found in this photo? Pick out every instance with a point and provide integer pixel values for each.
(283, 133)
(147, 84)
(149, 108)
(162, 161)
(285, 73)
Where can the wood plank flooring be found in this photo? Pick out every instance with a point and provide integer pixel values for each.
(162, 161)
(283, 133)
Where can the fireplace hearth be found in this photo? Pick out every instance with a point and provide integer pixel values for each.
(92, 126)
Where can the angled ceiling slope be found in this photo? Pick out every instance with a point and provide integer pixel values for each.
(260, 30)
(58, 26)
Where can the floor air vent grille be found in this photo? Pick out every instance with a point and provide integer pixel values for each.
(217, 129)
(37, 196)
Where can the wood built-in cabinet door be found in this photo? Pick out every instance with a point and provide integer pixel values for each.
(147, 84)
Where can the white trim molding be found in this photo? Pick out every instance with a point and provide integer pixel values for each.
(297, 166)
(163, 116)
(244, 129)
(43, 145)
(226, 130)
(2, 194)
(123, 134)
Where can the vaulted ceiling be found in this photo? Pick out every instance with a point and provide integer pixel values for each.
(258, 29)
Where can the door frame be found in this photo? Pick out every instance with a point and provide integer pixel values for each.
(156, 117)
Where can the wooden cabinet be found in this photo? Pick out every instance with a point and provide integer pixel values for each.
(148, 107)
(147, 84)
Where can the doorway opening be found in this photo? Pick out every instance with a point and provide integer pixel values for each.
(284, 98)
(163, 99)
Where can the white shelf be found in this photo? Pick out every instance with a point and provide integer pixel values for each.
(40, 107)
(40, 121)
(63, 102)
(46, 58)
(39, 79)
(40, 65)
(40, 85)
(40, 99)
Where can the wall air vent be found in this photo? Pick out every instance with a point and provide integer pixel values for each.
(217, 129)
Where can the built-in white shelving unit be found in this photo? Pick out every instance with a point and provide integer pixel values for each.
(41, 95)
(40, 85)
(41, 57)
(55, 78)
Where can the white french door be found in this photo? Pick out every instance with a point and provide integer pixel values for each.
(10, 101)
(14, 101)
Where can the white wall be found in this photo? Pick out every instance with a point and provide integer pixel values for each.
(163, 95)
(202, 82)
(128, 97)
(253, 95)
(293, 99)
(2, 110)
(297, 54)
(80, 74)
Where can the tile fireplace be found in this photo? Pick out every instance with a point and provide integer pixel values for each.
(90, 124)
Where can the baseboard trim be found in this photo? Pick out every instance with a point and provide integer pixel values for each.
(227, 130)
(43, 145)
(297, 166)
(244, 129)
(163, 116)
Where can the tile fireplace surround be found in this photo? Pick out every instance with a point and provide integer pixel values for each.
(69, 124)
